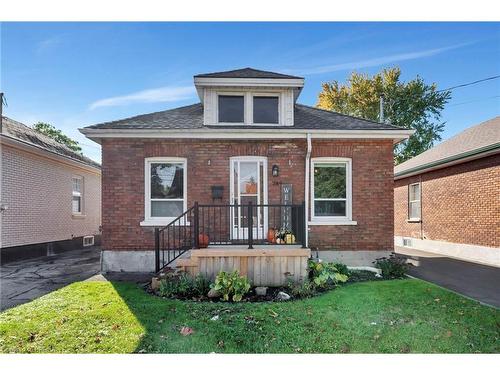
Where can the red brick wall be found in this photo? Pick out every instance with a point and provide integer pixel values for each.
(372, 197)
(123, 185)
(460, 204)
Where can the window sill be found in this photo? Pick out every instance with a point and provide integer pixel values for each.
(78, 216)
(333, 222)
(162, 223)
(414, 220)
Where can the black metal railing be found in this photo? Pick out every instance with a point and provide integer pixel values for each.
(175, 239)
(230, 224)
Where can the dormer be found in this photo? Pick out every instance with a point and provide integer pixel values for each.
(248, 97)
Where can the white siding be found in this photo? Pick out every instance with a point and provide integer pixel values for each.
(38, 193)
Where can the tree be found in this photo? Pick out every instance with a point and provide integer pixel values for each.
(57, 135)
(413, 105)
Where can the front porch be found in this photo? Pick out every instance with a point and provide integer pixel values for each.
(265, 242)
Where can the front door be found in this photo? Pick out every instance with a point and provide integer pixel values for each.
(248, 184)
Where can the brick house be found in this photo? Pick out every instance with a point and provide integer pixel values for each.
(50, 195)
(447, 199)
(247, 167)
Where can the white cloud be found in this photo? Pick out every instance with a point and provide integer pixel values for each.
(48, 44)
(377, 61)
(158, 95)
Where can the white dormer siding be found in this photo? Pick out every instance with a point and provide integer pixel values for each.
(211, 102)
(286, 90)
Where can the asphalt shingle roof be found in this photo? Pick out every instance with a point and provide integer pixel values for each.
(191, 117)
(472, 139)
(246, 73)
(18, 131)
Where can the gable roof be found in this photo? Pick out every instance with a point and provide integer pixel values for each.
(22, 133)
(246, 73)
(475, 140)
(191, 117)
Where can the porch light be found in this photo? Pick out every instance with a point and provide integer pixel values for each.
(276, 170)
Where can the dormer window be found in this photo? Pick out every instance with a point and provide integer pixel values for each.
(231, 109)
(265, 109)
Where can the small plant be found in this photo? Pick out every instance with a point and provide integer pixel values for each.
(231, 285)
(325, 275)
(342, 268)
(303, 289)
(184, 286)
(394, 267)
(285, 236)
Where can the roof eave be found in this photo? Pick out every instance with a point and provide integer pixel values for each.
(98, 134)
(449, 161)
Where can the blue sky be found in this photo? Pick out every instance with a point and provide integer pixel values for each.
(77, 74)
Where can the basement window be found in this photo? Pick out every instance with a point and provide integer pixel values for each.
(414, 205)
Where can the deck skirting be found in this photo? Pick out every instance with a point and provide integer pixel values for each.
(262, 267)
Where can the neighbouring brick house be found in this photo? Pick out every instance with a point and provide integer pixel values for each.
(260, 167)
(50, 195)
(447, 199)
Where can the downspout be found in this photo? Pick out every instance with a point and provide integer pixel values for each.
(306, 188)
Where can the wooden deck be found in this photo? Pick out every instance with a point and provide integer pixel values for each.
(264, 265)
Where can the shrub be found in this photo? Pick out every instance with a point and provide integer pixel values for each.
(184, 286)
(342, 268)
(301, 289)
(325, 275)
(231, 285)
(394, 267)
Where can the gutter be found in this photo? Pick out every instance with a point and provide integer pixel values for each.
(306, 187)
(449, 161)
(224, 133)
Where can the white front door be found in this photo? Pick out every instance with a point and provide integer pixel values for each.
(248, 184)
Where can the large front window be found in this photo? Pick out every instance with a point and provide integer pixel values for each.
(331, 189)
(165, 188)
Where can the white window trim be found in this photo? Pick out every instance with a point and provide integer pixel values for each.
(248, 107)
(77, 194)
(333, 220)
(271, 95)
(231, 93)
(160, 221)
(419, 200)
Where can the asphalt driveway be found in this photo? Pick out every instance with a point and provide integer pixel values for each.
(477, 281)
(26, 280)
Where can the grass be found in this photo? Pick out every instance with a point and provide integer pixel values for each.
(369, 317)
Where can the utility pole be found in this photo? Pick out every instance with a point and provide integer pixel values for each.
(381, 110)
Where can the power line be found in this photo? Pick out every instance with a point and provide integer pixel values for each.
(475, 100)
(470, 83)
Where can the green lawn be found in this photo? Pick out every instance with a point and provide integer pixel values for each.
(382, 316)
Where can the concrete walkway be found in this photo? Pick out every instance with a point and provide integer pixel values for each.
(26, 280)
(477, 281)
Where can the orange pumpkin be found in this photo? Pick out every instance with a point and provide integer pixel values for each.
(203, 240)
(271, 235)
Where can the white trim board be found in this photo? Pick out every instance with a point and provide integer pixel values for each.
(467, 252)
(269, 133)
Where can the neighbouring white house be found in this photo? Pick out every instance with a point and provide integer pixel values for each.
(50, 195)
